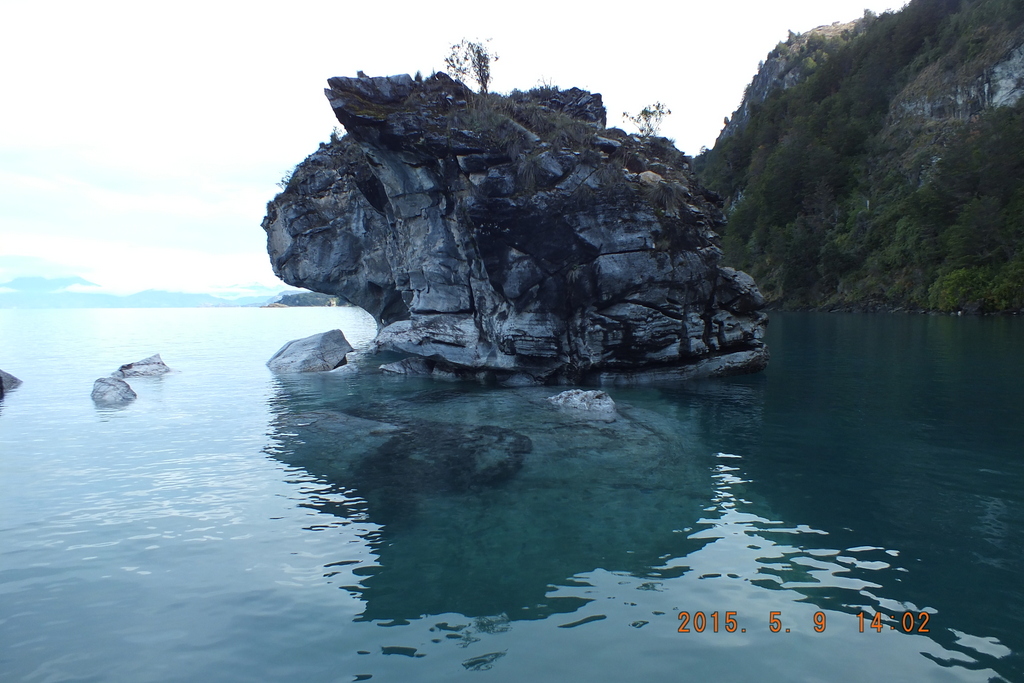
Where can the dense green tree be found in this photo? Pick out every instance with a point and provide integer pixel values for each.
(835, 198)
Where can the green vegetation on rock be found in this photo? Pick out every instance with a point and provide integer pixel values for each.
(877, 169)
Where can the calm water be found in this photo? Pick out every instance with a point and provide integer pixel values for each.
(230, 525)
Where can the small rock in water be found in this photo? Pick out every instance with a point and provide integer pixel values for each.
(7, 382)
(111, 391)
(316, 353)
(591, 402)
(147, 367)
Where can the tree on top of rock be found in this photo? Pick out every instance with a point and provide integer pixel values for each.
(471, 60)
(648, 120)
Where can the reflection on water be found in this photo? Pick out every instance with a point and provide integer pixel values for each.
(231, 525)
(629, 523)
(485, 509)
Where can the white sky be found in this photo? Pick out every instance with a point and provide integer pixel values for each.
(140, 142)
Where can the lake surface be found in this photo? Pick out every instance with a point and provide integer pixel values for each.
(230, 525)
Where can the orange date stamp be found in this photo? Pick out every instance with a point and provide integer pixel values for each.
(729, 622)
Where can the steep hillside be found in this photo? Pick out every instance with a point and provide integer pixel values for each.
(879, 163)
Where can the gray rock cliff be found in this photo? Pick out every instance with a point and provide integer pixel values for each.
(936, 95)
(515, 238)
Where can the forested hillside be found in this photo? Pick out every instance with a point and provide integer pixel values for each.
(881, 163)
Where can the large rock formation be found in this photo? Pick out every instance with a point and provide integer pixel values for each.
(515, 237)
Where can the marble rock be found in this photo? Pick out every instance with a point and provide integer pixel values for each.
(593, 403)
(488, 243)
(317, 353)
(152, 366)
(112, 391)
(7, 382)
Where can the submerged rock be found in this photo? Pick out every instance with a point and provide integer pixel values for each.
(592, 402)
(316, 353)
(405, 455)
(8, 382)
(515, 236)
(147, 367)
(439, 456)
(337, 425)
(112, 391)
(600, 490)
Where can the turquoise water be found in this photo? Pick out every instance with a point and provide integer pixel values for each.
(230, 525)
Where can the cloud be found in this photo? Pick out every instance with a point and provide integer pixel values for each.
(15, 265)
(208, 213)
(121, 268)
(48, 285)
(87, 288)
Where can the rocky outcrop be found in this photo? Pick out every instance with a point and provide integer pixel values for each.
(317, 353)
(789, 64)
(152, 366)
(112, 391)
(940, 95)
(514, 238)
(946, 91)
(929, 113)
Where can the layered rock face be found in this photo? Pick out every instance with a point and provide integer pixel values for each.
(515, 238)
(937, 95)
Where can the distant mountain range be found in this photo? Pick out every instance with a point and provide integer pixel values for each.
(73, 292)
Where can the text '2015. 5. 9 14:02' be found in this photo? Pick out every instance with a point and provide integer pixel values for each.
(701, 622)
